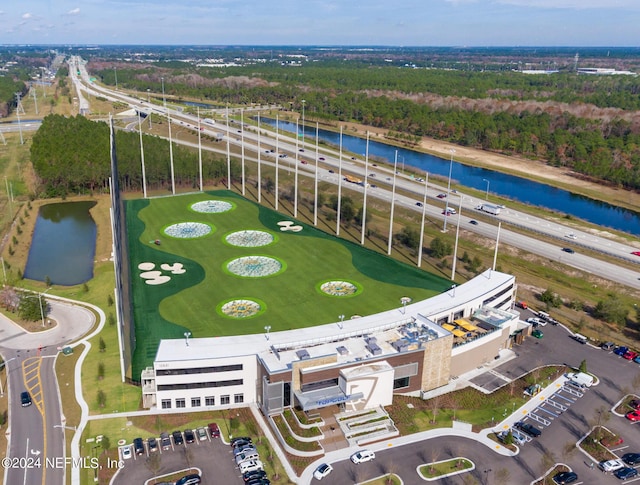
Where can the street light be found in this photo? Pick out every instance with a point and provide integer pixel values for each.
(446, 210)
(303, 102)
(341, 317)
(148, 95)
(186, 338)
(487, 195)
(164, 100)
(267, 328)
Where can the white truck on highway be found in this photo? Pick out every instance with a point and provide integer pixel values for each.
(490, 208)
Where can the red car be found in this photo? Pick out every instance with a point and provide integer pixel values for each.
(636, 253)
(630, 355)
(633, 415)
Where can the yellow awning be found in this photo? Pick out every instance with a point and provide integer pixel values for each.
(448, 326)
(466, 325)
(459, 333)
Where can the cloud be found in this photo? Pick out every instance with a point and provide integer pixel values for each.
(572, 4)
(74, 11)
(26, 16)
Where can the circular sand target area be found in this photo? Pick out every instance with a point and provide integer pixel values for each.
(188, 230)
(241, 308)
(249, 239)
(339, 288)
(212, 206)
(255, 266)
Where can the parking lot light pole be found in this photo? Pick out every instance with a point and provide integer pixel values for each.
(486, 197)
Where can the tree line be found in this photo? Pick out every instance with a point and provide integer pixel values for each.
(71, 156)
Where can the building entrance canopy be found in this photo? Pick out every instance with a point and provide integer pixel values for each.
(321, 398)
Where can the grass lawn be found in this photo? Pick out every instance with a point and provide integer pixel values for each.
(290, 298)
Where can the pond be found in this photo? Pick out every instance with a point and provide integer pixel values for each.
(63, 245)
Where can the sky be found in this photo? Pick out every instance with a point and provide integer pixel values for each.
(323, 22)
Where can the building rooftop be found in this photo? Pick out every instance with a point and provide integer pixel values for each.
(402, 329)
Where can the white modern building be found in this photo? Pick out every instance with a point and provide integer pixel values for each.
(355, 364)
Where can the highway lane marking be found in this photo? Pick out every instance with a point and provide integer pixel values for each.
(31, 376)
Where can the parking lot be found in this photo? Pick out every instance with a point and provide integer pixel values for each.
(210, 455)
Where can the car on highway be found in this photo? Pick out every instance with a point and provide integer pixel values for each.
(331, 171)
(25, 399)
(189, 436)
(165, 441)
(631, 458)
(321, 158)
(441, 196)
(322, 471)
(192, 479)
(564, 478)
(636, 253)
(537, 333)
(152, 443)
(630, 355)
(177, 438)
(528, 428)
(610, 465)
(363, 456)
(621, 350)
(568, 250)
(304, 162)
(571, 236)
(626, 473)
(419, 204)
(633, 416)
(473, 222)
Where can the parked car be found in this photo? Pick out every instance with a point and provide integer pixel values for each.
(518, 438)
(528, 428)
(250, 466)
(635, 403)
(189, 436)
(257, 475)
(633, 415)
(260, 481)
(564, 478)
(214, 430)
(165, 441)
(322, 471)
(621, 350)
(201, 433)
(608, 346)
(537, 333)
(244, 449)
(177, 438)
(25, 399)
(630, 355)
(138, 446)
(610, 465)
(626, 473)
(153, 444)
(192, 479)
(239, 441)
(125, 452)
(363, 456)
(631, 458)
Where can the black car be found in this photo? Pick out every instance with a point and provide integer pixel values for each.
(138, 446)
(419, 204)
(528, 428)
(251, 476)
(153, 445)
(177, 437)
(260, 481)
(25, 399)
(563, 478)
(473, 222)
(189, 436)
(165, 441)
(631, 458)
(626, 473)
(568, 250)
(189, 480)
(240, 441)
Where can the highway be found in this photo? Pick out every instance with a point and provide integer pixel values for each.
(626, 271)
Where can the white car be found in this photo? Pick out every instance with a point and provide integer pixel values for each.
(250, 466)
(611, 465)
(571, 236)
(125, 451)
(536, 321)
(363, 456)
(322, 471)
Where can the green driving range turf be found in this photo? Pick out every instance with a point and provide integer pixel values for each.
(216, 264)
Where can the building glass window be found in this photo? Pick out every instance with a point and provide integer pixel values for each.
(400, 383)
(166, 404)
(225, 399)
(180, 403)
(210, 401)
(238, 398)
(195, 402)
